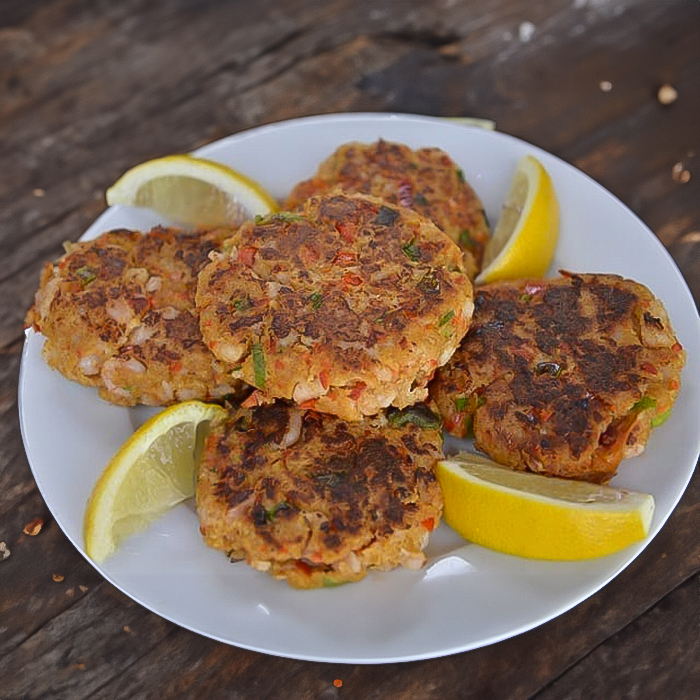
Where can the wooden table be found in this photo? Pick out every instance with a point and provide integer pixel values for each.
(88, 89)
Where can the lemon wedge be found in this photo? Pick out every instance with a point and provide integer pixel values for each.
(539, 517)
(487, 124)
(525, 237)
(152, 472)
(192, 191)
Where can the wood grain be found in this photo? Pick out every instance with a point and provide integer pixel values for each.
(673, 672)
(88, 89)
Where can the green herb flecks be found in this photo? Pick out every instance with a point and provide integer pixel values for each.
(643, 404)
(446, 318)
(330, 583)
(386, 216)
(85, 275)
(259, 365)
(411, 251)
(271, 513)
(465, 238)
(288, 216)
(419, 415)
(242, 304)
(461, 403)
(460, 175)
(316, 300)
(656, 421)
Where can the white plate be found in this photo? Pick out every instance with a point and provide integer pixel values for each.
(467, 597)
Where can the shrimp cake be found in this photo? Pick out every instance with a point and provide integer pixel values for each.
(563, 377)
(426, 180)
(346, 306)
(118, 314)
(315, 500)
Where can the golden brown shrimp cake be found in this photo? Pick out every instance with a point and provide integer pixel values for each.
(565, 377)
(118, 314)
(347, 306)
(426, 180)
(316, 500)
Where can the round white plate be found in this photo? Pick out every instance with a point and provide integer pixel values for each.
(466, 597)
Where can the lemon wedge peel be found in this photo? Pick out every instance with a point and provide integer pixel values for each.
(526, 234)
(153, 471)
(192, 191)
(539, 517)
(487, 124)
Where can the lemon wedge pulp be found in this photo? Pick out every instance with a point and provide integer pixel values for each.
(525, 237)
(539, 517)
(192, 191)
(153, 471)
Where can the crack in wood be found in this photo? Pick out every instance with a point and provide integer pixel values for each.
(32, 492)
(138, 659)
(52, 620)
(553, 681)
(12, 346)
(423, 38)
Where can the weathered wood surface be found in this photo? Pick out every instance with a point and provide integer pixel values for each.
(88, 89)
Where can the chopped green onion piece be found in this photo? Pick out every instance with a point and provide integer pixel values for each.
(259, 366)
(446, 318)
(644, 403)
(419, 415)
(656, 421)
(288, 216)
(316, 300)
(85, 275)
(272, 512)
(411, 251)
(461, 403)
(330, 583)
(460, 175)
(242, 304)
(465, 238)
(386, 216)
(279, 216)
